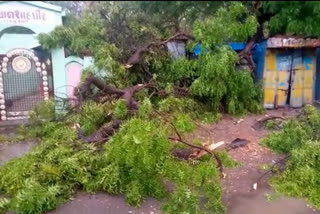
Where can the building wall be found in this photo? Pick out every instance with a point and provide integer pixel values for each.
(20, 24)
(38, 17)
(27, 15)
(10, 41)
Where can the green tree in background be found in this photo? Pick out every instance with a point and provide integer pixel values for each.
(293, 17)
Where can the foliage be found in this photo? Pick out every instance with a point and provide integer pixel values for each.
(226, 160)
(183, 199)
(218, 82)
(210, 117)
(33, 187)
(300, 178)
(120, 109)
(183, 123)
(177, 70)
(233, 23)
(271, 197)
(174, 104)
(88, 33)
(136, 161)
(47, 197)
(92, 116)
(212, 78)
(172, 15)
(4, 203)
(145, 108)
(195, 110)
(43, 111)
(12, 139)
(294, 17)
(299, 139)
(117, 23)
(295, 132)
(270, 124)
(73, 7)
(138, 150)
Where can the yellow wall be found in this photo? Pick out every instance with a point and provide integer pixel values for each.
(277, 73)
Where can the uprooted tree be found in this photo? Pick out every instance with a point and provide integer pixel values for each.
(129, 131)
(212, 76)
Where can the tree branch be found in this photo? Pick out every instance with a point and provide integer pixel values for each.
(179, 139)
(136, 58)
(107, 130)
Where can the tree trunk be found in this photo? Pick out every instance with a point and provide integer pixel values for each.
(107, 130)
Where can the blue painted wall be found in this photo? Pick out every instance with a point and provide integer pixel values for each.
(258, 54)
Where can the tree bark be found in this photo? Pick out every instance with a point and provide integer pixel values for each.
(107, 130)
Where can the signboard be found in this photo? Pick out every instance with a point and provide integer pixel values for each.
(292, 43)
(24, 15)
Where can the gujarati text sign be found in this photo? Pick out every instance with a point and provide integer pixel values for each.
(24, 15)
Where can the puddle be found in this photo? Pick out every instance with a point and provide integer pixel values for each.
(256, 202)
(105, 204)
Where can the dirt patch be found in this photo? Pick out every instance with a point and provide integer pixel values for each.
(238, 183)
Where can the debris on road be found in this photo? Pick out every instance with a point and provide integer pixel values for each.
(255, 186)
(237, 143)
(266, 123)
(211, 147)
(240, 121)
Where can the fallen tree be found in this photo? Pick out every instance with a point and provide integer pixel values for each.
(127, 136)
(137, 56)
(127, 94)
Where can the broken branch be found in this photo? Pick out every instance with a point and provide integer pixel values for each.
(201, 148)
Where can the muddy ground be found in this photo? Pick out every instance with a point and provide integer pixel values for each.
(239, 196)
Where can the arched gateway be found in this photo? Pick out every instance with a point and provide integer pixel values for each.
(25, 80)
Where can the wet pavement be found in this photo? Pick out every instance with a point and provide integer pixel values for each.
(13, 150)
(256, 203)
(10, 151)
(105, 204)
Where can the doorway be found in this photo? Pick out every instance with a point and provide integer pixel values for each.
(289, 77)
